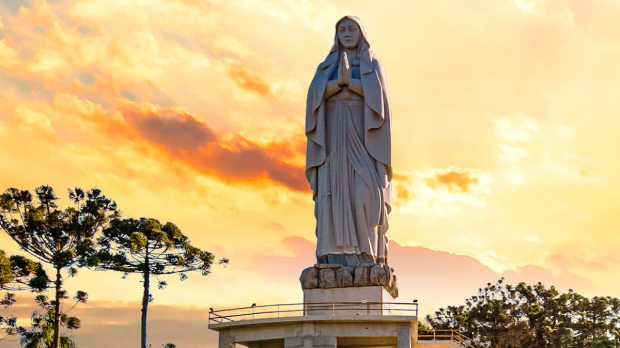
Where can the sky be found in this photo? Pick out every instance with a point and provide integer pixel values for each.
(504, 136)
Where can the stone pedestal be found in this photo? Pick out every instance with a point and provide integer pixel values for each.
(364, 300)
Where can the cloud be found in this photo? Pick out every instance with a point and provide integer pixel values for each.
(32, 121)
(174, 129)
(244, 160)
(180, 136)
(401, 184)
(184, 137)
(594, 18)
(441, 191)
(454, 180)
(525, 6)
(530, 149)
(312, 13)
(67, 62)
(248, 81)
(516, 128)
(9, 57)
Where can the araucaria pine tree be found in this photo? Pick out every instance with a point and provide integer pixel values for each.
(61, 238)
(147, 247)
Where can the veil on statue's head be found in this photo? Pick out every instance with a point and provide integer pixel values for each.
(363, 47)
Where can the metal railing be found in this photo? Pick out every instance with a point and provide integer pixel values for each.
(309, 309)
(448, 335)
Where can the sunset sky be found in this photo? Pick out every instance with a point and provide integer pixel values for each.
(505, 138)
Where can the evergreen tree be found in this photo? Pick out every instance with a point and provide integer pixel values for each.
(61, 238)
(146, 247)
(507, 316)
(41, 335)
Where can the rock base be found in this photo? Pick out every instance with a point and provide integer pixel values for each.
(329, 276)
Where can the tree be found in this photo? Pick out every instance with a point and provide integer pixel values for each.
(43, 325)
(147, 247)
(61, 238)
(18, 273)
(507, 316)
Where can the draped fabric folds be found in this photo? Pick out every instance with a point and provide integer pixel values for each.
(348, 161)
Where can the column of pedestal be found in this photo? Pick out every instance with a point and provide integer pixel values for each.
(226, 340)
(403, 336)
(310, 342)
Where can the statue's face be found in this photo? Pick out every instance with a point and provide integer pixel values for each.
(348, 33)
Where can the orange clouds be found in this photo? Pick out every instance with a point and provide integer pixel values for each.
(403, 193)
(184, 137)
(248, 81)
(453, 180)
(175, 130)
(90, 68)
(441, 190)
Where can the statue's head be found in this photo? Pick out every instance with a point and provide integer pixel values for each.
(348, 32)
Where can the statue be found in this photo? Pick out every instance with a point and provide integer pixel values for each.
(348, 151)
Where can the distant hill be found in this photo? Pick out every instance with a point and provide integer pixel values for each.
(437, 278)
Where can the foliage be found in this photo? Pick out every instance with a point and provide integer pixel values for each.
(61, 238)
(41, 335)
(144, 245)
(147, 247)
(424, 329)
(6, 271)
(503, 316)
(18, 273)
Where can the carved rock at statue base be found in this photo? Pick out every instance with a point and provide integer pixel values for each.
(393, 289)
(327, 278)
(309, 278)
(344, 277)
(336, 276)
(361, 276)
(389, 272)
(378, 276)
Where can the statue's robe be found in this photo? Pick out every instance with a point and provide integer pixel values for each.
(348, 162)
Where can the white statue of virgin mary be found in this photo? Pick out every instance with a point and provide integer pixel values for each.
(348, 151)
